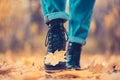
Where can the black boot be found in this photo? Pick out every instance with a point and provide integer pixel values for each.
(73, 56)
(55, 40)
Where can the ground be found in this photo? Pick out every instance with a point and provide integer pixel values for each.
(25, 66)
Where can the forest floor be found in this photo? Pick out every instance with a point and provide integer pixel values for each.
(30, 67)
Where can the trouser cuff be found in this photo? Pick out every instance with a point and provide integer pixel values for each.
(77, 40)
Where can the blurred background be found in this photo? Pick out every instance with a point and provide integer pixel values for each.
(22, 28)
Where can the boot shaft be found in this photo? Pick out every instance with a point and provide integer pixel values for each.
(73, 55)
(56, 36)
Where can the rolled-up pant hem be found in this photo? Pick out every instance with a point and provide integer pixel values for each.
(56, 15)
(77, 40)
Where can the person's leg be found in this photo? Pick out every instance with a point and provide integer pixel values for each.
(55, 17)
(80, 17)
(80, 12)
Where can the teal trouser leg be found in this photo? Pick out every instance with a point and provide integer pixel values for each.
(80, 12)
(54, 9)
